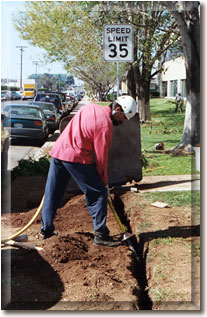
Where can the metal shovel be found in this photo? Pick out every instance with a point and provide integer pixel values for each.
(126, 235)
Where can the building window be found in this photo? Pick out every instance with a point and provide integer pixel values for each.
(173, 88)
(164, 89)
(183, 88)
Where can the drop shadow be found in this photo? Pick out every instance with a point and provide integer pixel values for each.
(153, 185)
(28, 281)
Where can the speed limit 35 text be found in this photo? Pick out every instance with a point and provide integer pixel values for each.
(118, 38)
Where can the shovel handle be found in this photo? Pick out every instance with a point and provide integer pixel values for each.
(122, 227)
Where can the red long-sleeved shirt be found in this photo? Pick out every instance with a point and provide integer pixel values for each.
(90, 130)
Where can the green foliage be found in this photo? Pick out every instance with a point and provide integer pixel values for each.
(31, 167)
(111, 97)
(68, 34)
(144, 159)
(70, 80)
(50, 82)
(4, 87)
(71, 32)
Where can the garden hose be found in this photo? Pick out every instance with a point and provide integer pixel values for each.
(152, 169)
(27, 226)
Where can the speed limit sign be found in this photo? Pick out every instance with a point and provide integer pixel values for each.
(118, 42)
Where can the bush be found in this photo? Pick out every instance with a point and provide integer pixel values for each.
(111, 97)
(4, 87)
(31, 167)
(154, 94)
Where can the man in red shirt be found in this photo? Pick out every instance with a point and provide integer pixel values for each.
(87, 136)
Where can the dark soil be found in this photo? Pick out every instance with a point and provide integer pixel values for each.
(71, 273)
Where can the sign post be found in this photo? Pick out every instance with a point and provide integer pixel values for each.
(117, 78)
(118, 45)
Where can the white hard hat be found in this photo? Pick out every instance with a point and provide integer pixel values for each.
(128, 105)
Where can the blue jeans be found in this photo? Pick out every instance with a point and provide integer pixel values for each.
(90, 183)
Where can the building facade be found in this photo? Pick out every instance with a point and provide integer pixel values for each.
(173, 78)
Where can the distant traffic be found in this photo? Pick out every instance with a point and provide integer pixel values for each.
(40, 115)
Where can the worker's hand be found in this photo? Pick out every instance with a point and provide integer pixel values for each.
(108, 192)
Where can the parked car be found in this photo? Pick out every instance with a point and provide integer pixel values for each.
(15, 95)
(5, 142)
(51, 114)
(79, 96)
(82, 93)
(72, 95)
(51, 98)
(5, 95)
(67, 104)
(25, 121)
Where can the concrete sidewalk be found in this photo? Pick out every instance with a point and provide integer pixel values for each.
(169, 183)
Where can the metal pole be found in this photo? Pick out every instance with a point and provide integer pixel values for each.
(36, 64)
(117, 79)
(21, 71)
(21, 54)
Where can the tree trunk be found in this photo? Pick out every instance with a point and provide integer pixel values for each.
(188, 22)
(143, 100)
(131, 86)
(139, 88)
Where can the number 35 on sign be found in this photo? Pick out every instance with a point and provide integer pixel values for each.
(118, 42)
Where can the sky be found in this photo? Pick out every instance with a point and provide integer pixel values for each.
(10, 54)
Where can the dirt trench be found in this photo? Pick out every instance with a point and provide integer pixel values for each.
(71, 273)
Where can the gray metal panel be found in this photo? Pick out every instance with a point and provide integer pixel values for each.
(125, 153)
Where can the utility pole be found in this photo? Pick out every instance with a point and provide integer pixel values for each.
(36, 63)
(21, 54)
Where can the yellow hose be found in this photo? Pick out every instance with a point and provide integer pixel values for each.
(27, 226)
(152, 169)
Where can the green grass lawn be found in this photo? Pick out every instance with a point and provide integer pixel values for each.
(166, 126)
(175, 199)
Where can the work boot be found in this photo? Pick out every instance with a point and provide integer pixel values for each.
(104, 239)
(47, 233)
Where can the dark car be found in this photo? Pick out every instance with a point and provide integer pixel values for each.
(4, 145)
(51, 114)
(51, 98)
(26, 121)
(66, 104)
(15, 95)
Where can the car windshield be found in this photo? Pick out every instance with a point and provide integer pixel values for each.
(23, 111)
(63, 97)
(47, 107)
(44, 106)
(47, 98)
